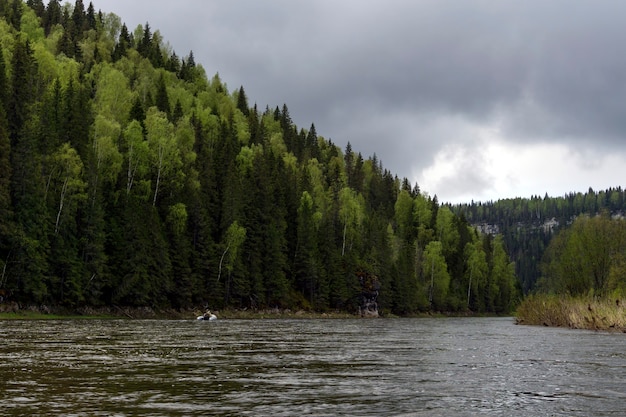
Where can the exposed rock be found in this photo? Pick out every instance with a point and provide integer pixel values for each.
(370, 286)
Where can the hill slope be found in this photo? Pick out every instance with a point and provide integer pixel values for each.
(128, 177)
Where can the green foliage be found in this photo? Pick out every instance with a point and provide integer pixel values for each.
(527, 225)
(435, 269)
(586, 258)
(128, 177)
(477, 275)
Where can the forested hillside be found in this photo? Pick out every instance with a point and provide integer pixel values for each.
(527, 225)
(128, 177)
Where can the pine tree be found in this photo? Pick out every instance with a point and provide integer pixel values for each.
(311, 143)
(122, 45)
(242, 102)
(305, 269)
(13, 13)
(77, 117)
(79, 20)
(161, 98)
(177, 113)
(37, 6)
(6, 209)
(22, 93)
(4, 88)
(90, 17)
(52, 16)
(137, 111)
(145, 43)
(173, 64)
(29, 242)
(51, 116)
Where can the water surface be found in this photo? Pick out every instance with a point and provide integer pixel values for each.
(380, 367)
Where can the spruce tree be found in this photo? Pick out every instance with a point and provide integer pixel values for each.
(162, 101)
(13, 13)
(29, 244)
(90, 18)
(242, 102)
(177, 113)
(6, 209)
(22, 92)
(52, 16)
(145, 43)
(78, 17)
(122, 45)
(37, 6)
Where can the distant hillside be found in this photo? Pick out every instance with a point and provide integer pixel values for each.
(527, 225)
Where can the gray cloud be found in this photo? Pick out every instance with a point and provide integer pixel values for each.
(403, 78)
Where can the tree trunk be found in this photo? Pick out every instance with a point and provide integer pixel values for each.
(63, 191)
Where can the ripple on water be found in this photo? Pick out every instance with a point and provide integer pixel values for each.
(402, 367)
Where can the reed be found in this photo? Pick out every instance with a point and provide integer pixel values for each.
(574, 312)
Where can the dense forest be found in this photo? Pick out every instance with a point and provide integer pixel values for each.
(130, 178)
(527, 225)
(587, 258)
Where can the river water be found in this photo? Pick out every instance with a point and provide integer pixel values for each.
(360, 367)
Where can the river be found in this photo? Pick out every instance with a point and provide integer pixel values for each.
(326, 367)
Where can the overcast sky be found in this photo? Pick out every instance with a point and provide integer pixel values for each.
(472, 100)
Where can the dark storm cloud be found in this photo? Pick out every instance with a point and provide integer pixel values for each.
(403, 79)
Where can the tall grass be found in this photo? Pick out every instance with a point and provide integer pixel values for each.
(576, 313)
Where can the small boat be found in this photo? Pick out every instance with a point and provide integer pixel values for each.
(208, 316)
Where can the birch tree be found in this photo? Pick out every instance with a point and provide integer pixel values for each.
(137, 154)
(108, 160)
(67, 176)
(235, 235)
(477, 272)
(351, 212)
(164, 154)
(113, 97)
(436, 270)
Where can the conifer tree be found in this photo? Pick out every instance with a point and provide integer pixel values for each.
(187, 69)
(242, 102)
(4, 88)
(30, 244)
(145, 43)
(305, 268)
(173, 64)
(137, 111)
(13, 13)
(78, 18)
(177, 113)
(37, 6)
(22, 93)
(162, 101)
(90, 17)
(122, 45)
(52, 16)
(6, 210)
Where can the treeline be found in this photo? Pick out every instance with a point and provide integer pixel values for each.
(587, 258)
(536, 210)
(127, 177)
(527, 225)
(583, 277)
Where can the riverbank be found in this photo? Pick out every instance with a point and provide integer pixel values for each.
(12, 311)
(576, 313)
